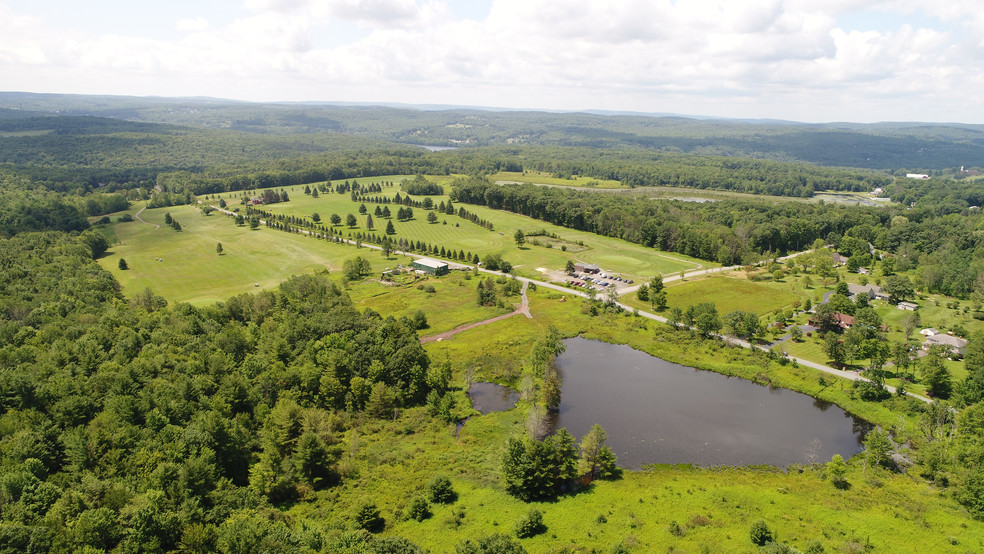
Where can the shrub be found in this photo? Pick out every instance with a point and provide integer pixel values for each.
(441, 491)
(493, 544)
(367, 517)
(419, 320)
(419, 509)
(531, 524)
(760, 533)
(814, 547)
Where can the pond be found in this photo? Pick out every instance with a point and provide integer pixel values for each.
(489, 397)
(659, 412)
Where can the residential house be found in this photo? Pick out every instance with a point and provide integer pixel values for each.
(873, 292)
(907, 306)
(842, 321)
(954, 345)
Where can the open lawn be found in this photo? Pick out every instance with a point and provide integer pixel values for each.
(451, 231)
(729, 292)
(452, 303)
(192, 271)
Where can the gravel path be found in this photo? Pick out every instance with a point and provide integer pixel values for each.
(524, 309)
(141, 220)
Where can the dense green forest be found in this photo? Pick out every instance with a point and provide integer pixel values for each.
(146, 426)
(80, 152)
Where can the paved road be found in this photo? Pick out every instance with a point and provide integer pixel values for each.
(851, 375)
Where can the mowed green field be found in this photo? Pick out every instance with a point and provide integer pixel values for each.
(192, 271)
(728, 293)
(613, 255)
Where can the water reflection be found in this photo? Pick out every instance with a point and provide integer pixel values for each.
(659, 412)
(490, 397)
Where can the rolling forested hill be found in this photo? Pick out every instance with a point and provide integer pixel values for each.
(884, 146)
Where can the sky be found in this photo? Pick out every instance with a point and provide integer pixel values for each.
(801, 60)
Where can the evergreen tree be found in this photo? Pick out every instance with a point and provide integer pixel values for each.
(122, 265)
(390, 230)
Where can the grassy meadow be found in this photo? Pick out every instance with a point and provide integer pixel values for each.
(662, 508)
(451, 231)
(453, 302)
(730, 291)
(541, 178)
(192, 271)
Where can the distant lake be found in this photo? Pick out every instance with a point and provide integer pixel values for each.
(659, 412)
(435, 148)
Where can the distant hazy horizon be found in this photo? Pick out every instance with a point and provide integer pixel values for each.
(847, 60)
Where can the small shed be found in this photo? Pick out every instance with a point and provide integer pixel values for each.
(429, 265)
(907, 306)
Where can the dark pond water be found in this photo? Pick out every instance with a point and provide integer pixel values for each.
(659, 412)
(489, 397)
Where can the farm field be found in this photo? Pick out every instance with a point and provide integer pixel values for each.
(460, 234)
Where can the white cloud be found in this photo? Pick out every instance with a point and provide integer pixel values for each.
(191, 25)
(766, 58)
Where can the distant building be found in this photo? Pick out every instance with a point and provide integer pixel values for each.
(907, 306)
(873, 292)
(428, 265)
(838, 259)
(582, 267)
(917, 176)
